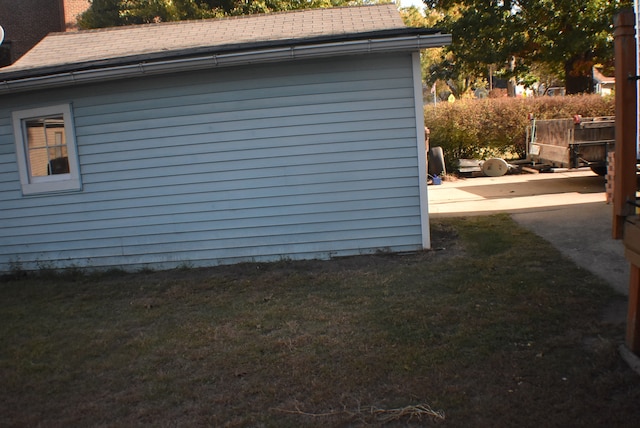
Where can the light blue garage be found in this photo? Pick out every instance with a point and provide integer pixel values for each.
(295, 135)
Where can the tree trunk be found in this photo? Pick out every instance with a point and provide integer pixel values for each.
(511, 83)
(578, 75)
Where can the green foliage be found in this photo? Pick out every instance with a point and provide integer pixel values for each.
(482, 128)
(413, 17)
(101, 13)
(515, 35)
(111, 13)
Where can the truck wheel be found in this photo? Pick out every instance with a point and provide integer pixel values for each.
(436, 161)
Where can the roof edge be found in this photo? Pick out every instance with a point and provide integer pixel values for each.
(8, 74)
(263, 54)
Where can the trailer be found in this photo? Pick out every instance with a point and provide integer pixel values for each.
(572, 143)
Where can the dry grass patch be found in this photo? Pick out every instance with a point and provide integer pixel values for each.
(494, 329)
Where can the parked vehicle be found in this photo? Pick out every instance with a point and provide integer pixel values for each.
(572, 143)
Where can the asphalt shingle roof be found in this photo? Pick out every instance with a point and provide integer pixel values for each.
(154, 41)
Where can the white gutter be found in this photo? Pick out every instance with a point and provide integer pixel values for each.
(394, 44)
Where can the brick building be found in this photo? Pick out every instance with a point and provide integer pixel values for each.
(26, 22)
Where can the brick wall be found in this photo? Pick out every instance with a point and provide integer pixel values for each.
(71, 10)
(26, 22)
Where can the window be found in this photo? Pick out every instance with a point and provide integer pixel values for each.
(46, 150)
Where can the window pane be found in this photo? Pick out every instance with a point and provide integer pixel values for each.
(38, 160)
(35, 134)
(47, 146)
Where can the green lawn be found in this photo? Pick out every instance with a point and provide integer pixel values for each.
(494, 328)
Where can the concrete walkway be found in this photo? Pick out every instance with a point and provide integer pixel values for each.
(568, 209)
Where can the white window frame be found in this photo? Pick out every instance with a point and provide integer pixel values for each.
(52, 183)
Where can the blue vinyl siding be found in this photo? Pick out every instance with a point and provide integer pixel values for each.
(299, 160)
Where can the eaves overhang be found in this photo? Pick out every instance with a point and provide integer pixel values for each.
(397, 40)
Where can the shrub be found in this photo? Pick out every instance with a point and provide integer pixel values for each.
(497, 127)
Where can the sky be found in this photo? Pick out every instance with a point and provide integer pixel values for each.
(409, 3)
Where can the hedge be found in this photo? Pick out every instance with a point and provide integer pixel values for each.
(497, 127)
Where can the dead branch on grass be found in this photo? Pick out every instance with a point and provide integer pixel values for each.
(383, 415)
(409, 411)
(297, 411)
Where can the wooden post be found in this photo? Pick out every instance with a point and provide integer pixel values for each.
(633, 319)
(624, 187)
(625, 182)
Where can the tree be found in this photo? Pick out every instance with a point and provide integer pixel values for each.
(101, 13)
(578, 36)
(514, 35)
(111, 13)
